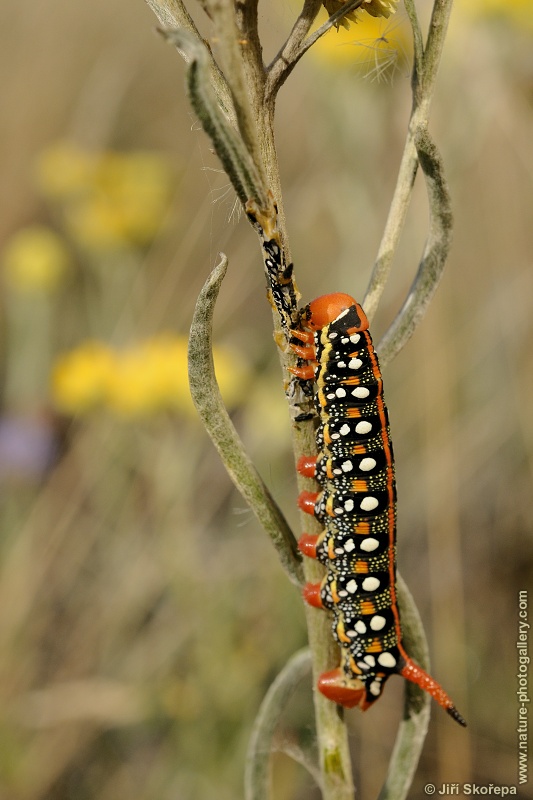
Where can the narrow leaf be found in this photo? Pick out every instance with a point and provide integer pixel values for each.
(210, 406)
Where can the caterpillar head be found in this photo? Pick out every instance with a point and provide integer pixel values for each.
(329, 307)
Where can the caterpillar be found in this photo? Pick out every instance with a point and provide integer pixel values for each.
(357, 506)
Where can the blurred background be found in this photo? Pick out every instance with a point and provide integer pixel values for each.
(143, 612)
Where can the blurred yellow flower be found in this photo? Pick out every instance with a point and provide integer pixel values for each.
(138, 186)
(35, 259)
(375, 47)
(150, 377)
(141, 380)
(110, 200)
(63, 169)
(80, 379)
(519, 12)
(94, 223)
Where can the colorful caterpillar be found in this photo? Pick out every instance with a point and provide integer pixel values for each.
(357, 506)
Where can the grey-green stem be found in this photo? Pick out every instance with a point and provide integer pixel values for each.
(435, 252)
(423, 83)
(413, 727)
(257, 777)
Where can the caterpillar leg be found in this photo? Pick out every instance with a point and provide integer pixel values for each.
(307, 544)
(308, 352)
(306, 373)
(306, 502)
(312, 594)
(412, 672)
(304, 336)
(335, 686)
(307, 466)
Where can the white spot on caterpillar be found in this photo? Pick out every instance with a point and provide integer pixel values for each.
(354, 338)
(370, 660)
(369, 503)
(335, 436)
(342, 593)
(339, 510)
(332, 335)
(362, 665)
(363, 427)
(355, 363)
(345, 430)
(341, 364)
(351, 634)
(377, 622)
(370, 584)
(344, 340)
(360, 626)
(342, 314)
(375, 688)
(349, 545)
(349, 505)
(346, 466)
(369, 544)
(330, 396)
(351, 586)
(386, 660)
(339, 551)
(366, 464)
(361, 391)
(341, 392)
(337, 471)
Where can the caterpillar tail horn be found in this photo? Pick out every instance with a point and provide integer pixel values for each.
(412, 672)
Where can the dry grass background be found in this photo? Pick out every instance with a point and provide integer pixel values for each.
(142, 610)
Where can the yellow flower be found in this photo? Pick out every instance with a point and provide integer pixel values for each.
(80, 379)
(138, 186)
(64, 169)
(519, 12)
(376, 8)
(144, 379)
(232, 376)
(95, 223)
(110, 200)
(379, 8)
(150, 377)
(35, 259)
(153, 376)
(374, 47)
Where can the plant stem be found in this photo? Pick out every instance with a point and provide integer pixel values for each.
(423, 88)
(413, 727)
(435, 251)
(257, 771)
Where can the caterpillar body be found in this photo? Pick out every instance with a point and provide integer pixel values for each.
(357, 506)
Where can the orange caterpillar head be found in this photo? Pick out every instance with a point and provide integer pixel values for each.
(326, 309)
